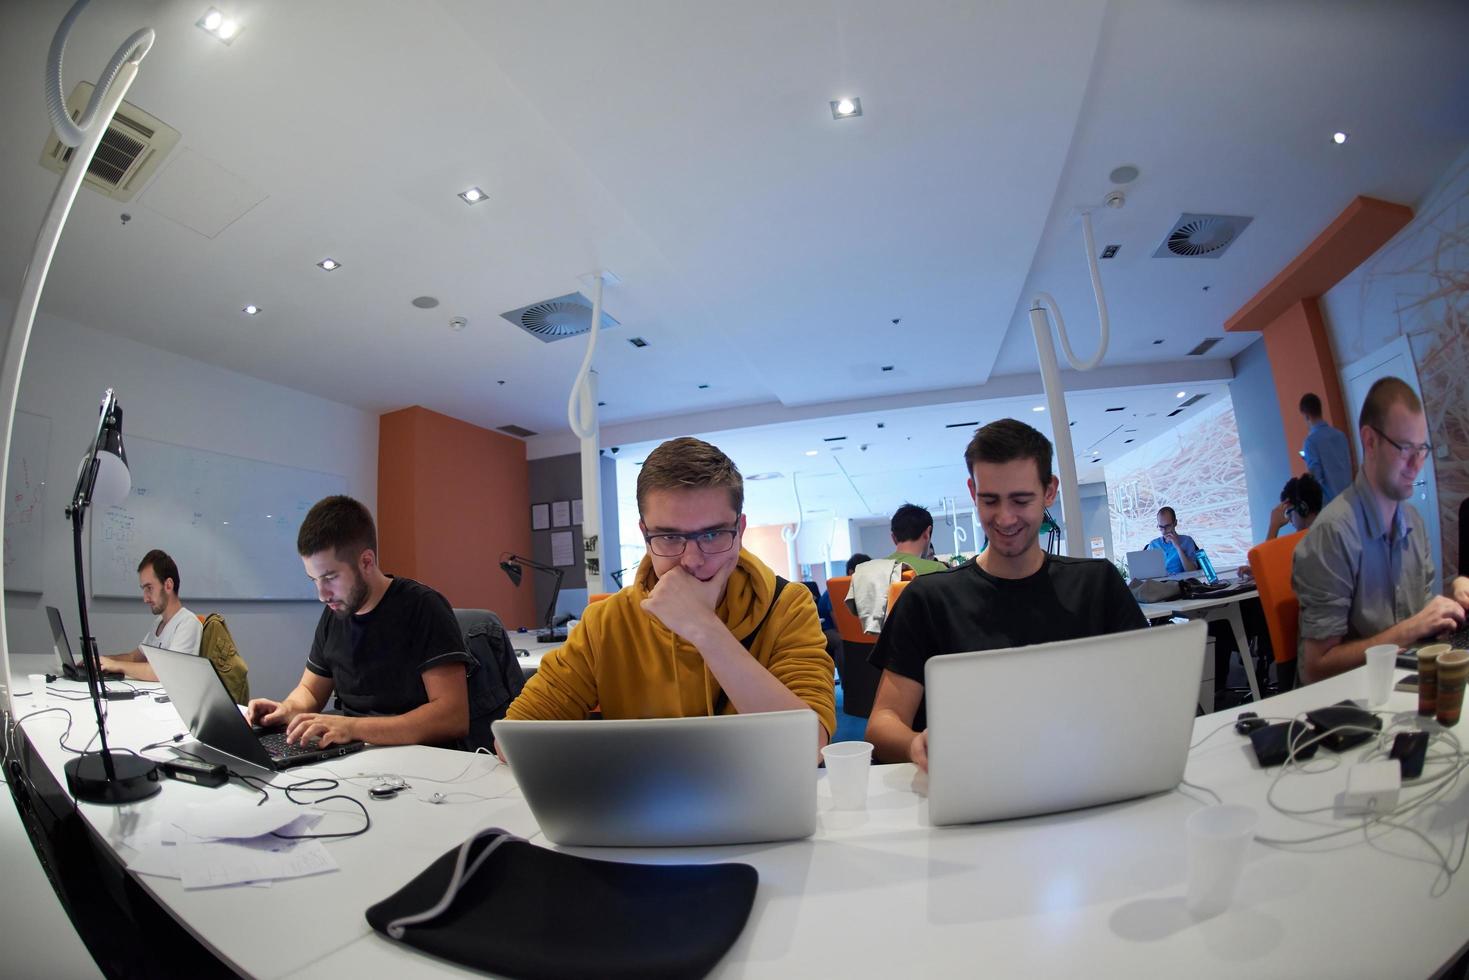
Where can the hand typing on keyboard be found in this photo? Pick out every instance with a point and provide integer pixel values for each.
(326, 729)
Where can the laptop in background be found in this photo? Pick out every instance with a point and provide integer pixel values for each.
(71, 668)
(215, 720)
(1060, 726)
(667, 782)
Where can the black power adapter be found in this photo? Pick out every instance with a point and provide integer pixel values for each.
(200, 773)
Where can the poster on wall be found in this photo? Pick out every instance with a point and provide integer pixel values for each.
(1099, 547)
(561, 513)
(561, 549)
(576, 512)
(540, 517)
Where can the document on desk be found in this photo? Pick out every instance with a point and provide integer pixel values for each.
(234, 863)
(240, 817)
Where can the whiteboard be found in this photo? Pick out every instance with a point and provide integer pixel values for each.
(230, 523)
(30, 445)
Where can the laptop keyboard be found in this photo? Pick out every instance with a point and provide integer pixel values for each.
(276, 745)
(1460, 639)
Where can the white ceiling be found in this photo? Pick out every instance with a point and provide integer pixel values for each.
(764, 247)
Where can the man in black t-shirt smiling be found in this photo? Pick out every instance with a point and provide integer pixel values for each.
(1013, 593)
(389, 647)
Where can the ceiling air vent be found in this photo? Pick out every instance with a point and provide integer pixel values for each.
(1194, 400)
(1204, 346)
(1202, 236)
(131, 150)
(517, 431)
(557, 319)
(961, 425)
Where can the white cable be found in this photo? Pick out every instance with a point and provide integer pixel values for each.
(134, 49)
(581, 426)
(457, 881)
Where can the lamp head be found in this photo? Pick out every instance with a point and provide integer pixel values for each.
(512, 571)
(114, 480)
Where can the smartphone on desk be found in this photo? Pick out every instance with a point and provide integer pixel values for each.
(1408, 659)
(1408, 684)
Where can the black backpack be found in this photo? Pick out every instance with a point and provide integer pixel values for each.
(495, 680)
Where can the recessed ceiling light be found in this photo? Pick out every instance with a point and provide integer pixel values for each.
(218, 26)
(1038, 408)
(330, 264)
(811, 452)
(1338, 138)
(472, 196)
(250, 309)
(846, 108)
(1182, 394)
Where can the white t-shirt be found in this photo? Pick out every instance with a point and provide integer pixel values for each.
(181, 634)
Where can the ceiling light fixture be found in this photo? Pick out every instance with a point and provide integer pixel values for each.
(330, 264)
(811, 452)
(1039, 408)
(846, 108)
(250, 309)
(1338, 138)
(1182, 394)
(472, 196)
(218, 26)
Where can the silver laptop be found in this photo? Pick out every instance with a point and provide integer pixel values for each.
(204, 703)
(1059, 726)
(1148, 563)
(667, 782)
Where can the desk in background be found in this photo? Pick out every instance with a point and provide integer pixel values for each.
(1210, 608)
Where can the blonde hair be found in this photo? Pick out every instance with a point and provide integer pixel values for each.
(687, 463)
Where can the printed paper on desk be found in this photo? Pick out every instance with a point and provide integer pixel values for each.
(216, 864)
(236, 817)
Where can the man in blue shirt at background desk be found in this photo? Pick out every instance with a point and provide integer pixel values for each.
(1180, 553)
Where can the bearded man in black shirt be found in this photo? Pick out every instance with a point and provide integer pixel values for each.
(1012, 594)
(389, 648)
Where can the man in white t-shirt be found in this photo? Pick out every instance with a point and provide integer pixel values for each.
(175, 629)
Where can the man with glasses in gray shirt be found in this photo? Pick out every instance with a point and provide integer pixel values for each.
(1364, 572)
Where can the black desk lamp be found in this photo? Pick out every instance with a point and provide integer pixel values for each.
(510, 565)
(103, 776)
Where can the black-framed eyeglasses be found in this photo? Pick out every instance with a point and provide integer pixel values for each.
(715, 541)
(1406, 450)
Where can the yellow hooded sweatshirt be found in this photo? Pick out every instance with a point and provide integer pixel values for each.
(625, 660)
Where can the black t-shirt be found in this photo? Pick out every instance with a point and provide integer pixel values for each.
(376, 660)
(966, 608)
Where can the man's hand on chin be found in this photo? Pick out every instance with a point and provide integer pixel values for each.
(685, 604)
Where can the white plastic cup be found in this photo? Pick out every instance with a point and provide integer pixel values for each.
(39, 698)
(847, 766)
(1218, 838)
(1380, 662)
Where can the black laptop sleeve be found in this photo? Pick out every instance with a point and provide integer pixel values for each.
(533, 913)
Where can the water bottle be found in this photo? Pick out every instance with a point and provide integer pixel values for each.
(1207, 566)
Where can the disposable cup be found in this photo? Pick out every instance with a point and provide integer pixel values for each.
(1218, 839)
(1453, 669)
(1380, 662)
(847, 765)
(38, 699)
(1428, 677)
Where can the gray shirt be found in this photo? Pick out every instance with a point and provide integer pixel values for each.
(1329, 458)
(1356, 577)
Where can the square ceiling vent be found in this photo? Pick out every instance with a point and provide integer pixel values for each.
(1201, 236)
(131, 150)
(557, 319)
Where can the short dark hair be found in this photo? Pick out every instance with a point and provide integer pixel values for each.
(338, 524)
(1172, 514)
(909, 522)
(1311, 405)
(1384, 393)
(856, 560)
(1303, 493)
(1006, 440)
(687, 463)
(163, 566)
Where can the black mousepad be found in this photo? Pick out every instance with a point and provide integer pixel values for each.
(532, 913)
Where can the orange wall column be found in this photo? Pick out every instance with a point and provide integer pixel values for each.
(1301, 360)
(451, 498)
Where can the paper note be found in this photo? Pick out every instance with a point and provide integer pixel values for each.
(561, 513)
(540, 517)
(240, 816)
(576, 512)
(562, 553)
(219, 863)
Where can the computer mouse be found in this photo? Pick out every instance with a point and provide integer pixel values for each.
(383, 792)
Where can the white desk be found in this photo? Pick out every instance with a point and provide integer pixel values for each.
(880, 893)
(529, 650)
(1208, 609)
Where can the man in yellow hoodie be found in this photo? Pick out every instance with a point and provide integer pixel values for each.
(701, 630)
